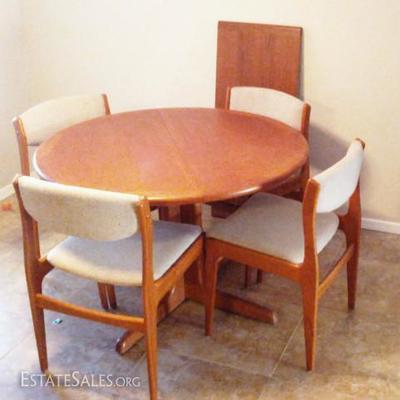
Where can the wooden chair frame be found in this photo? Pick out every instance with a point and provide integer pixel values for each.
(293, 187)
(154, 292)
(106, 292)
(307, 274)
(298, 182)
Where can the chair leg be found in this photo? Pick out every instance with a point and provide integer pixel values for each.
(151, 349)
(352, 269)
(260, 276)
(103, 295)
(40, 335)
(247, 276)
(310, 311)
(211, 270)
(112, 299)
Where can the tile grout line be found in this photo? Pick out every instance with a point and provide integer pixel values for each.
(138, 362)
(17, 346)
(221, 364)
(280, 358)
(285, 348)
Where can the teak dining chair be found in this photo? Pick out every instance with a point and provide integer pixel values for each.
(284, 236)
(112, 239)
(282, 107)
(43, 120)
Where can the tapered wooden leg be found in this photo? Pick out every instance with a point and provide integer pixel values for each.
(352, 229)
(151, 348)
(247, 276)
(352, 269)
(194, 274)
(310, 310)
(352, 266)
(103, 295)
(40, 335)
(211, 270)
(169, 213)
(112, 299)
(260, 276)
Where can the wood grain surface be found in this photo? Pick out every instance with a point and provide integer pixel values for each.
(174, 156)
(257, 55)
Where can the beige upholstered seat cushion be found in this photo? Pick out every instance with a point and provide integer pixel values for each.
(273, 225)
(120, 262)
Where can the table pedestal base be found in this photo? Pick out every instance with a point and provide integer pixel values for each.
(190, 288)
(171, 301)
(236, 305)
(224, 301)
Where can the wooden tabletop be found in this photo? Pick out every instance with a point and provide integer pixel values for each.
(174, 156)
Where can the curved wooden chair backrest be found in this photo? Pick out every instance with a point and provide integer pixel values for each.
(270, 103)
(43, 120)
(338, 182)
(76, 211)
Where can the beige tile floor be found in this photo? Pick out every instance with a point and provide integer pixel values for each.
(358, 353)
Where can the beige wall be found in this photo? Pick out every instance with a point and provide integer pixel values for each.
(12, 80)
(162, 53)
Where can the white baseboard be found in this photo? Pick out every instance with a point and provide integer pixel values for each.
(6, 191)
(381, 225)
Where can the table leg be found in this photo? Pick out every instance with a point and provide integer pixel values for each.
(224, 301)
(191, 214)
(169, 213)
(191, 287)
(170, 302)
(233, 304)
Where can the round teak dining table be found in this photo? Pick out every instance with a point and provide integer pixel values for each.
(179, 158)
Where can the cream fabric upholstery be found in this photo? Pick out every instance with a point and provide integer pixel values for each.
(44, 119)
(338, 182)
(268, 102)
(273, 225)
(120, 262)
(76, 211)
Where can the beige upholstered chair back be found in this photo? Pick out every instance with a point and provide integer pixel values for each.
(339, 182)
(44, 119)
(268, 102)
(76, 211)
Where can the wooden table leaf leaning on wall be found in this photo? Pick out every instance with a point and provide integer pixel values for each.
(178, 159)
